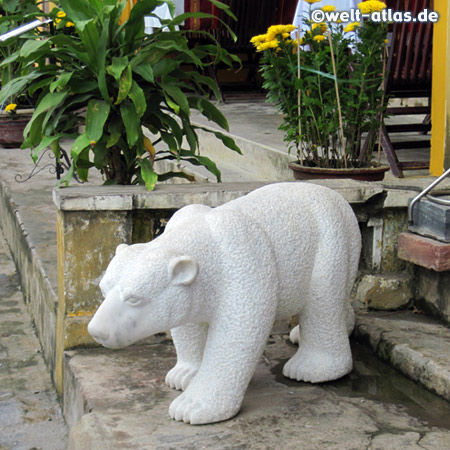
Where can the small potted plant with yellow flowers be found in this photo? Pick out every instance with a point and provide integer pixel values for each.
(12, 126)
(329, 88)
(13, 117)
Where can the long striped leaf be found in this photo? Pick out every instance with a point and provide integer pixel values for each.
(126, 81)
(148, 174)
(96, 115)
(131, 122)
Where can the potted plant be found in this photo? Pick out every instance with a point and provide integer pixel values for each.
(329, 88)
(13, 13)
(113, 82)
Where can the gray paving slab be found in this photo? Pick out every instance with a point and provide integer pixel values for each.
(30, 415)
(372, 408)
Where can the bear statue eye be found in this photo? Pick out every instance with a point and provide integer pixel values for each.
(133, 300)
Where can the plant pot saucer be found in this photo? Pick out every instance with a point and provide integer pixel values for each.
(375, 173)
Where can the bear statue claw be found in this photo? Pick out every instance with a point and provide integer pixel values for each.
(180, 376)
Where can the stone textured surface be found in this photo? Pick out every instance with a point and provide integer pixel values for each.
(125, 400)
(218, 278)
(413, 343)
(424, 251)
(433, 293)
(30, 416)
(385, 292)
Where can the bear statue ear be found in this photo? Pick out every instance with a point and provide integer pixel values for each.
(183, 270)
(121, 247)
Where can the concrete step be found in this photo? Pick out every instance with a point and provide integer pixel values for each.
(123, 401)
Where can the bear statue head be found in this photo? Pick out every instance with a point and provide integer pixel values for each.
(147, 290)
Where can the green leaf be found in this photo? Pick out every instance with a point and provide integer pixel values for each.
(134, 27)
(173, 105)
(46, 142)
(81, 142)
(17, 85)
(67, 177)
(148, 175)
(117, 66)
(198, 160)
(126, 80)
(146, 72)
(176, 94)
(80, 10)
(209, 111)
(32, 46)
(90, 39)
(48, 102)
(137, 96)
(61, 81)
(223, 7)
(101, 60)
(164, 67)
(96, 115)
(228, 142)
(131, 122)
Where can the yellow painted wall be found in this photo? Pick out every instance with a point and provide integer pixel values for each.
(440, 102)
(127, 10)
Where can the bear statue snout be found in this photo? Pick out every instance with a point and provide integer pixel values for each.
(97, 333)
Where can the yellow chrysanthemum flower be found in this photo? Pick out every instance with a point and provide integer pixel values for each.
(61, 14)
(11, 107)
(351, 27)
(276, 30)
(259, 39)
(266, 45)
(319, 38)
(328, 8)
(70, 24)
(371, 6)
(322, 26)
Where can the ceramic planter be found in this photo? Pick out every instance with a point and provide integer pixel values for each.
(11, 131)
(362, 174)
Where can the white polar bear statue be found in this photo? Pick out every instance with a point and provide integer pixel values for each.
(219, 277)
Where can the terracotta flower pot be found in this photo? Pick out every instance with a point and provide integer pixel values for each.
(11, 131)
(363, 173)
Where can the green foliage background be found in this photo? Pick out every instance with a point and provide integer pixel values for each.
(115, 79)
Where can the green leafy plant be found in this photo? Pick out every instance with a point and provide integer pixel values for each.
(328, 86)
(115, 80)
(13, 14)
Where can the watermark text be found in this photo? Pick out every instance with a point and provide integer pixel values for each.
(386, 15)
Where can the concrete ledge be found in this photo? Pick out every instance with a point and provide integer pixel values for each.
(414, 344)
(424, 252)
(175, 196)
(39, 294)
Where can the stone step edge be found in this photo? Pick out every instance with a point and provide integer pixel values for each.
(400, 354)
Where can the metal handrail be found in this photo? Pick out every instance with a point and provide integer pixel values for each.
(23, 29)
(430, 197)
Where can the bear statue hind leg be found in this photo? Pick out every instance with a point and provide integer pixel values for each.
(189, 341)
(324, 352)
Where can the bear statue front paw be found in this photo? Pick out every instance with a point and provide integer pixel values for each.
(317, 366)
(199, 407)
(181, 375)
